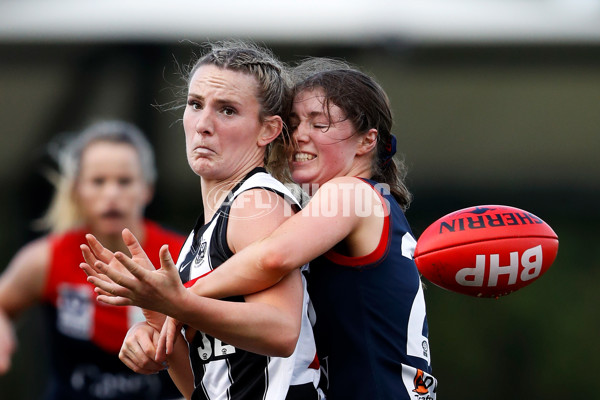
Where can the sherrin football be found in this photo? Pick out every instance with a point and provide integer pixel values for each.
(486, 251)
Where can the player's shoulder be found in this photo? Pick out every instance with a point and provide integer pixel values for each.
(258, 203)
(345, 183)
(350, 189)
(34, 254)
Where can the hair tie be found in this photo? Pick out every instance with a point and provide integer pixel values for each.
(390, 150)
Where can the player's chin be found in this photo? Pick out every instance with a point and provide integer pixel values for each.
(301, 178)
(111, 226)
(203, 166)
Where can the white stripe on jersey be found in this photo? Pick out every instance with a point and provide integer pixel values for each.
(216, 378)
(262, 179)
(417, 345)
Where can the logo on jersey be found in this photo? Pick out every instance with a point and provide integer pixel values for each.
(425, 347)
(201, 253)
(418, 383)
(75, 311)
(184, 266)
(422, 382)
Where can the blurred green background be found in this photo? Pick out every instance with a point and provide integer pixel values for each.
(514, 121)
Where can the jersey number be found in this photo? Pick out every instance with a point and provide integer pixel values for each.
(213, 348)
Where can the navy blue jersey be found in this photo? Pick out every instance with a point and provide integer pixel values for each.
(371, 325)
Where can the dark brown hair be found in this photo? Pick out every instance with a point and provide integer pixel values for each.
(366, 105)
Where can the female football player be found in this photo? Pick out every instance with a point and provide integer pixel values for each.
(106, 179)
(257, 346)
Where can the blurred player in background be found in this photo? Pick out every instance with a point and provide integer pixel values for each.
(106, 179)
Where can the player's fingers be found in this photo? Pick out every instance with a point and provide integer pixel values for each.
(130, 239)
(134, 246)
(93, 271)
(114, 300)
(109, 288)
(166, 260)
(101, 252)
(89, 271)
(168, 336)
(102, 292)
(136, 270)
(138, 349)
(7, 347)
(115, 276)
(132, 364)
(88, 255)
(161, 347)
(142, 353)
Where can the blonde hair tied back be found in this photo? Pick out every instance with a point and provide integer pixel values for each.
(63, 213)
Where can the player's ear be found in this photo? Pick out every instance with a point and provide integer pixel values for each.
(367, 142)
(272, 127)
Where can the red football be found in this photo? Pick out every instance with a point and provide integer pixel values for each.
(486, 251)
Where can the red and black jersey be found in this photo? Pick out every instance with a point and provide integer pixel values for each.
(87, 335)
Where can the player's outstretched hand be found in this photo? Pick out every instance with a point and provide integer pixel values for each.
(139, 349)
(97, 252)
(88, 265)
(157, 290)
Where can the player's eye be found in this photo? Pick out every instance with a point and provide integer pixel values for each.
(195, 104)
(125, 181)
(98, 181)
(321, 126)
(229, 111)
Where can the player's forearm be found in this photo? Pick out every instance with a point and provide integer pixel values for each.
(180, 369)
(251, 270)
(256, 327)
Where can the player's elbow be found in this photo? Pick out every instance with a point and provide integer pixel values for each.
(275, 261)
(285, 344)
(283, 337)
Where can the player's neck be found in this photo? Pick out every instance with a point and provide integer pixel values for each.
(114, 242)
(215, 191)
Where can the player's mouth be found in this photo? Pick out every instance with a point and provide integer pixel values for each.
(303, 157)
(203, 151)
(112, 214)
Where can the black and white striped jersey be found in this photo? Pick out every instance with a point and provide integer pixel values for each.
(222, 371)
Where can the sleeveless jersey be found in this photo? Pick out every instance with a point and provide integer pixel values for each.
(222, 371)
(86, 335)
(371, 326)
